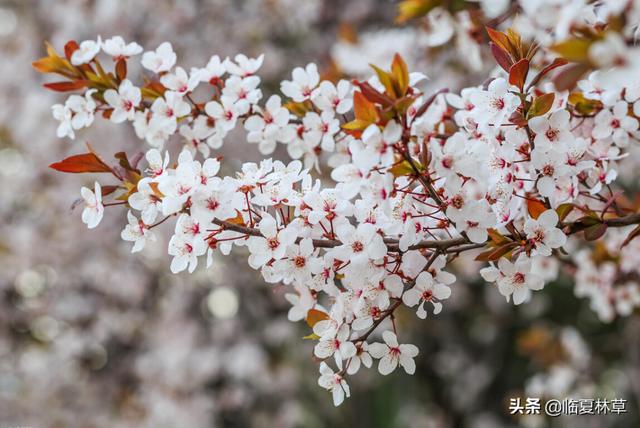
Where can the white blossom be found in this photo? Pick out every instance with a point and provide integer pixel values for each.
(391, 354)
(118, 48)
(160, 60)
(86, 51)
(124, 101)
(93, 208)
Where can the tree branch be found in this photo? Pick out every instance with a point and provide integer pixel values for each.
(454, 245)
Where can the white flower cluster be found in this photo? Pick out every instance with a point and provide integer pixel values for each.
(612, 288)
(420, 179)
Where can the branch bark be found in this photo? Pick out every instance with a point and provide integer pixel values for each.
(453, 245)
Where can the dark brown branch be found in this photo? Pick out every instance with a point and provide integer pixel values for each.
(622, 221)
(454, 245)
(391, 243)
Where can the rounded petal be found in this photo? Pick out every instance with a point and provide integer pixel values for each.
(390, 338)
(338, 395)
(408, 364)
(323, 349)
(409, 350)
(387, 364)
(378, 350)
(548, 219)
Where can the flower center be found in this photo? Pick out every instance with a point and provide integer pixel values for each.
(538, 235)
(497, 103)
(552, 134)
(457, 201)
(447, 162)
(518, 278)
(273, 243)
(212, 204)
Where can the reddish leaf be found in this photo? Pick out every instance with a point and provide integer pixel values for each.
(558, 62)
(121, 69)
(364, 109)
(425, 154)
(153, 89)
(86, 162)
(535, 207)
(402, 105)
(585, 222)
(518, 73)
(496, 253)
(500, 39)
(314, 316)
(569, 77)
(67, 86)
(107, 190)
(502, 58)
(238, 219)
(518, 119)
(70, 48)
(425, 106)
(123, 160)
(594, 232)
(631, 236)
(373, 95)
(512, 229)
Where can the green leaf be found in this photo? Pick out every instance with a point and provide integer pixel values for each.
(411, 9)
(400, 75)
(384, 78)
(576, 50)
(541, 105)
(496, 237)
(564, 210)
(404, 168)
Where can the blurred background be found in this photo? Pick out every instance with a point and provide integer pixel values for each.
(91, 336)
